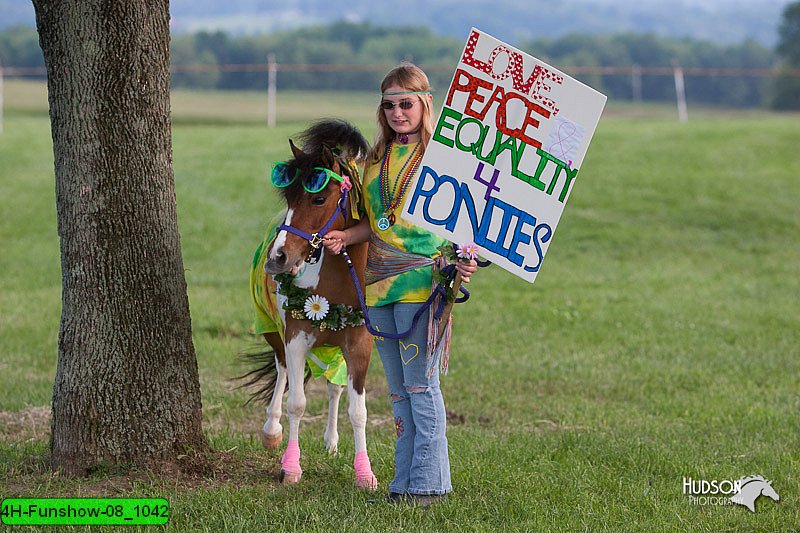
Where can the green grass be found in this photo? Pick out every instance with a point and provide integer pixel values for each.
(660, 340)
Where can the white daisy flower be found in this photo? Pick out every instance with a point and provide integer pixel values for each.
(316, 307)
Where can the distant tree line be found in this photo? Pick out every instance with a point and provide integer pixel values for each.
(787, 88)
(363, 44)
(359, 47)
(19, 47)
(341, 43)
(629, 50)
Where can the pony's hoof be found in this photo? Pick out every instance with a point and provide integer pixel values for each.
(271, 442)
(368, 482)
(290, 478)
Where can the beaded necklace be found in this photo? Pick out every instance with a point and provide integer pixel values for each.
(391, 200)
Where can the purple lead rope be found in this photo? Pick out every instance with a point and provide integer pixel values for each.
(449, 272)
(316, 243)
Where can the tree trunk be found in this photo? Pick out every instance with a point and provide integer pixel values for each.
(127, 388)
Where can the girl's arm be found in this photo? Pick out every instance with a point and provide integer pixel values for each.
(335, 240)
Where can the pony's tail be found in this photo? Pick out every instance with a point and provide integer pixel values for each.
(263, 377)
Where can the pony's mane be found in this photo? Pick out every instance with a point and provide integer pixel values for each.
(340, 136)
(342, 139)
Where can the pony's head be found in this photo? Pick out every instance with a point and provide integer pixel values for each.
(312, 183)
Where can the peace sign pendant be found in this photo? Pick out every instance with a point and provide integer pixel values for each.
(385, 222)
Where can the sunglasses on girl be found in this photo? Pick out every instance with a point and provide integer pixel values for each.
(404, 104)
(316, 181)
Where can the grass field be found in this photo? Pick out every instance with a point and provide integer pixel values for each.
(661, 340)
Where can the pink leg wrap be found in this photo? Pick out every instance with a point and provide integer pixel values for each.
(365, 479)
(290, 462)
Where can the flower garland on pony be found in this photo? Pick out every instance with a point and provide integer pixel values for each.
(302, 304)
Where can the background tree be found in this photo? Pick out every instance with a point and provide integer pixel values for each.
(19, 47)
(126, 388)
(787, 88)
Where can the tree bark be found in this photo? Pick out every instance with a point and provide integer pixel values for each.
(126, 389)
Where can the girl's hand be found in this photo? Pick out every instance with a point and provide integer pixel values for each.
(334, 241)
(466, 269)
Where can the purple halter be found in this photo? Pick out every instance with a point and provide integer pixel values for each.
(315, 239)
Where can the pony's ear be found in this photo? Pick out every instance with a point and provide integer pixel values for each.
(297, 152)
(328, 159)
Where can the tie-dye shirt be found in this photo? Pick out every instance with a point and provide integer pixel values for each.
(415, 285)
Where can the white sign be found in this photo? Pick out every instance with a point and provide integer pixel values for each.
(505, 153)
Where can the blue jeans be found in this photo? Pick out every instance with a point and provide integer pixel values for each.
(422, 464)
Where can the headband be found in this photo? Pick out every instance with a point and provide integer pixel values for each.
(393, 93)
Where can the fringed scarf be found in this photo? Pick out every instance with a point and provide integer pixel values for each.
(384, 261)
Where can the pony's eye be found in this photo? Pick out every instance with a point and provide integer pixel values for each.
(318, 200)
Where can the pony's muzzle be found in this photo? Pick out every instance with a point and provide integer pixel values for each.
(279, 262)
(276, 265)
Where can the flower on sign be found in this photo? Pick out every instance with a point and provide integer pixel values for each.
(467, 251)
(316, 307)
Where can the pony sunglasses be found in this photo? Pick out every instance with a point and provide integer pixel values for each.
(316, 181)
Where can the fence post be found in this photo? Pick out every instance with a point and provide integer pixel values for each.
(1, 99)
(680, 91)
(272, 70)
(636, 83)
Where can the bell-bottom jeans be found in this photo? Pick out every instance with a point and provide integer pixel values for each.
(422, 464)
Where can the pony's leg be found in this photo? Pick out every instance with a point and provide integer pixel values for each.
(357, 410)
(332, 428)
(272, 432)
(296, 350)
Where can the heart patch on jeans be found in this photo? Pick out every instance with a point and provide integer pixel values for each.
(404, 348)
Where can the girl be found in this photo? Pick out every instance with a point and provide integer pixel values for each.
(399, 278)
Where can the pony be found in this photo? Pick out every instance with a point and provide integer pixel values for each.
(308, 300)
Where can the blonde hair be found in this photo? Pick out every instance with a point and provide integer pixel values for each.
(411, 78)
